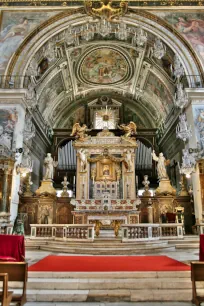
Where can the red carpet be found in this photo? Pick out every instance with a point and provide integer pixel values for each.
(108, 263)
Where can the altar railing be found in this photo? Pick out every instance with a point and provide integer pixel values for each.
(63, 232)
(142, 232)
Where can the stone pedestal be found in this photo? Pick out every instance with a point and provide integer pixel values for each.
(46, 187)
(165, 188)
(150, 214)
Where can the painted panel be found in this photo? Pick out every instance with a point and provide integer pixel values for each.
(154, 85)
(15, 26)
(191, 25)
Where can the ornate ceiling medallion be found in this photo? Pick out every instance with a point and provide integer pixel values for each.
(106, 11)
(104, 66)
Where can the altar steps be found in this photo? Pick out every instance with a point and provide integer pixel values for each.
(191, 242)
(109, 286)
(99, 248)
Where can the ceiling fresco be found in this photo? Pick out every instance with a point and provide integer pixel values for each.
(82, 68)
(104, 66)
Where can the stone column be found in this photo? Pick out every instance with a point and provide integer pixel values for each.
(196, 97)
(150, 214)
(10, 99)
(5, 187)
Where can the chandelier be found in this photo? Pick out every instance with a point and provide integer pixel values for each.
(159, 49)
(122, 31)
(103, 27)
(177, 68)
(180, 98)
(139, 38)
(188, 163)
(182, 130)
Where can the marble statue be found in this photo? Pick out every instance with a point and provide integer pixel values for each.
(5, 138)
(161, 165)
(128, 129)
(49, 164)
(128, 160)
(83, 159)
(65, 183)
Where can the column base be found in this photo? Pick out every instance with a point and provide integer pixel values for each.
(46, 187)
(165, 188)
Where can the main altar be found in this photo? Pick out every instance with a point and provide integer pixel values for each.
(105, 178)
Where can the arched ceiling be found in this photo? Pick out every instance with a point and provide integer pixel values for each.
(71, 70)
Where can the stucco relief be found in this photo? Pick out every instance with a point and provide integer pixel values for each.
(8, 119)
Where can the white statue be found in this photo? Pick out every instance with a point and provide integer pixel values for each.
(5, 138)
(83, 159)
(128, 160)
(49, 164)
(161, 165)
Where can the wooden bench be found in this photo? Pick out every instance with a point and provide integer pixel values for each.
(17, 272)
(197, 275)
(5, 295)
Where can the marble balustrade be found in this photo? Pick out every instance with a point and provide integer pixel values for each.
(142, 231)
(64, 232)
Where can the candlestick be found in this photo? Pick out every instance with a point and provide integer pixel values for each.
(74, 180)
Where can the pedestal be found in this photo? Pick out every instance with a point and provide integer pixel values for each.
(150, 214)
(165, 188)
(46, 187)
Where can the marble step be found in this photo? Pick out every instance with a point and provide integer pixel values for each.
(187, 246)
(112, 275)
(105, 250)
(173, 295)
(109, 284)
(184, 241)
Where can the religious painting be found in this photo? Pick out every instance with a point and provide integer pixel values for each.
(154, 85)
(104, 66)
(15, 26)
(8, 119)
(191, 25)
(105, 170)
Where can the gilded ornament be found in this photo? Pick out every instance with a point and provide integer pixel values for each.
(106, 11)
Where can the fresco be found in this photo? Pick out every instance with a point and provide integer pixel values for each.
(104, 66)
(77, 116)
(154, 85)
(191, 25)
(15, 26)
(129, 115)
(8, 119)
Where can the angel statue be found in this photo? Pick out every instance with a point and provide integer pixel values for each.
(79, 131)
(161, 165)
(129, 129)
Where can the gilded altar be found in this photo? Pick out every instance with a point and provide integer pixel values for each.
(105, 180)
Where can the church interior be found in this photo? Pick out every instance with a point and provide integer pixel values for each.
(102, 143)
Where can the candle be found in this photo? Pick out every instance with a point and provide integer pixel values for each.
(136, 180)
(74, 180)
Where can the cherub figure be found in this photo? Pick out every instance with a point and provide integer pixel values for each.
(129, 129)
(79, 131)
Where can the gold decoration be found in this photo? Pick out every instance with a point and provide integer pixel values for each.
(106, 170)
(129, 131)
(106, 11)
(79, 132)
(106, 155)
